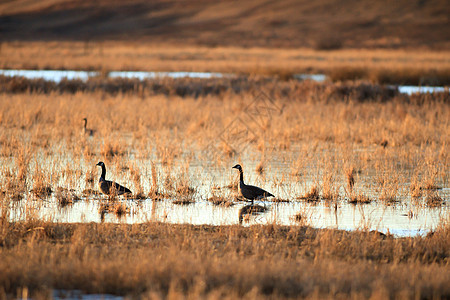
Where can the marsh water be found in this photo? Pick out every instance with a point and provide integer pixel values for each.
(398, 220)
(58, 75)
(405, 217)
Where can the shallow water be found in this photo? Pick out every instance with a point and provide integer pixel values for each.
(407, 217)
(149, 75)
(50, 75)
(403, 218)
(313, 77)
(400, 220)
(411, 89)
(58, 75)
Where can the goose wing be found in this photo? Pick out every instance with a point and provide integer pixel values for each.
(254, 192)
(121, 189)
(106, 186)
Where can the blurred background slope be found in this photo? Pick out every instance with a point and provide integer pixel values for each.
(322, 24)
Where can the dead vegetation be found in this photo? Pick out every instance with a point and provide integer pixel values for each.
(226, 261)
(415, 126)
(324, 144)
(359, 199)
(221, 200)
(379, 66)
(66, 196)
(312, 195)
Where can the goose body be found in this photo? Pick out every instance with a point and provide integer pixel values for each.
(86, 130)
(250, 192)
(109, 187)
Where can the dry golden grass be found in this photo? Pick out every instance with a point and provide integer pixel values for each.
(160, 132)
(163, 260)
(220, 200)
(312, 195)
(65, 196)
(417, 67)
(359, 199)
(159, 141)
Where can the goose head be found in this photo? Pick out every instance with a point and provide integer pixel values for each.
(238, 167)
(101, 164)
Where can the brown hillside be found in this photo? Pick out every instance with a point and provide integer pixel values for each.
(286, 23)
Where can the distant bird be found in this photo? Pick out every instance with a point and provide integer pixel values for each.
(86, 130)
(251, 192)
(108, 187)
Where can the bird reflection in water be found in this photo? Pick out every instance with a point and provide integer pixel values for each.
(250, 210)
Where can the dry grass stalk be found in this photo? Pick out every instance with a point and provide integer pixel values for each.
(434, 200)
(89, 192)
(41, 188)
(136, 178)
(185, 190)
(121, 209)
(169, 182)
(154, 193)
(90, 177)
(349, 174)
(65, 196)
(183, 200)
(22, 163)
(221, 201)
(359, 199)
(154, 186)
(415, 188)
(280, 200)
(111, 149)
(312, 195)
(327, 187)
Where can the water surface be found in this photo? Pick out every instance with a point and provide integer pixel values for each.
(58, 75)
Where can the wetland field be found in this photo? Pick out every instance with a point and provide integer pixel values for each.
(360, 174)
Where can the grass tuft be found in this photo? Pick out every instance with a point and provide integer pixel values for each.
(312, 195)
(359, 199)
(221, 201)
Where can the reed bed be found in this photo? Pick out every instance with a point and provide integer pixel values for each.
(330, 142)
(157, 260)
(151, 138)
(417, 67)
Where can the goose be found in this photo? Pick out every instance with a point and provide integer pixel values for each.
(250, 192)
(86, 130)
(108, 187)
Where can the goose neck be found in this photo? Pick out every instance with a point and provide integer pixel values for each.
(241, 176)
(103, 172)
